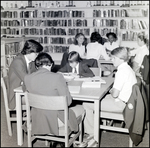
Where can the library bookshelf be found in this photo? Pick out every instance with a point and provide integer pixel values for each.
(10, 47)
(56, 28)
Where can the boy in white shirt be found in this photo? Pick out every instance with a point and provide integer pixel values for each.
(95, 50)
(119, 94)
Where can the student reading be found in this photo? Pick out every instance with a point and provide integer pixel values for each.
(21, 66)
(45, 82)
(76, 65)
(119, 94)
(79, 46)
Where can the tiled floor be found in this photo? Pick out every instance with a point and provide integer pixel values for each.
(108, 139)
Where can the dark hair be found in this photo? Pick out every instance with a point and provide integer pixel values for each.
(74, 57)
(43, 59)
(142, 37)
(78, 35)
(31, 46)
(111, 33)
(121, 52)
(96, 37)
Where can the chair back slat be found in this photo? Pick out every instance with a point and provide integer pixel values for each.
(4, 82)
(46, 102)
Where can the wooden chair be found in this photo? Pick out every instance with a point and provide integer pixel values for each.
(52, 103)
(4, 85)
(114, 116)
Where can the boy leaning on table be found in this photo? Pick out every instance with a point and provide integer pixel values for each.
(119, 94)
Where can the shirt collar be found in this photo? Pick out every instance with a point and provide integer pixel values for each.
(26, 59)
(77, 66)
(122, 65)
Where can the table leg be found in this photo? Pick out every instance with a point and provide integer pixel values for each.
(96, 120)
(19, 119)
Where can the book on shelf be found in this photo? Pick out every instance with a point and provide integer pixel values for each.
(143, 24)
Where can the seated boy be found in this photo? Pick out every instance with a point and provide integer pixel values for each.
(119, 94)
(76, 65)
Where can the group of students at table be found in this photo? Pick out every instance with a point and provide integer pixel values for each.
(32, 69)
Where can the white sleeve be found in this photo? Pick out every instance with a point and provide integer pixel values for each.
(120, 79)
(104, 53)
(71, 48)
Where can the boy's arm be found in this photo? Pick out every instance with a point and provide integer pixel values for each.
(86, 71)
(120, 80)
(114, 92)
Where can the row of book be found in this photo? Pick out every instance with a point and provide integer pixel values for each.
(11, 31)
(54, 31)
(56, 49)
(52, 40)
(105, 23)
(121, 3)
(129, 36)
(45, 31)
(120, 13)
(51, 14)
(78, 30)
(25, 22)
(57, 40)
(10, 23)
(133, 24)
(12, 48)
(104, 31)
(9, 14)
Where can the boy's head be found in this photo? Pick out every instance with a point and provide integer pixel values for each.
(119, 55)
(73, 58)
(31, 49)
(111, 36)
(44, 60)
(96, 37)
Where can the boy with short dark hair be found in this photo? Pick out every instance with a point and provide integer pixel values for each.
(21, 66)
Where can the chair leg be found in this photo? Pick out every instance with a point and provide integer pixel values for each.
(29, 139)
(66, 141)
(9, 124)
(46, 142)
(81, 133)
(130, 142)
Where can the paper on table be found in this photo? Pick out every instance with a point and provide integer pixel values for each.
(91, 84)
(74, 89)
(91, 79)
(68, 77)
